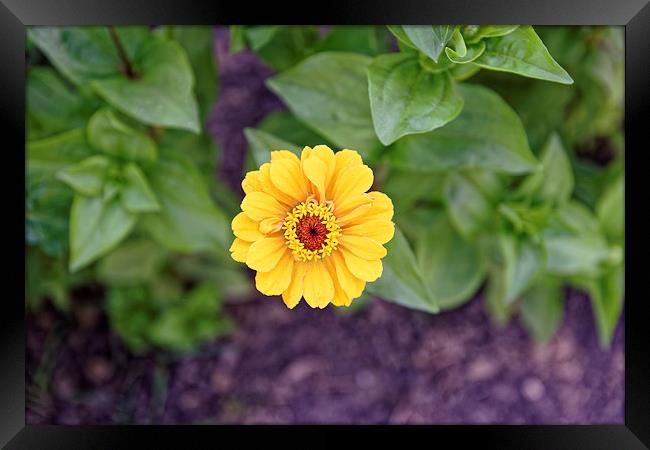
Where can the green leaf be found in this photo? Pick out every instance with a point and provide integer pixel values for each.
(473, 33)
(553, 181)
(48, 156)
(522, 52)
(237, 38)
(160, 91)
(429, 39)
(52, 106)
(96, 227)
(261, 143)
(579, 254)
(451, 266)
(112, 136)
(135, 261)
(405, 99)
(86, 177)
(189, 220)
(47, 205)
(469, 210)
(136, 194)
(487, 134)
(542, 309)
(368, 40)
(515, 263)
(471, 54)
(610, 210)
(401, 281)
(285, 126)
(338, 84)
(281, 46)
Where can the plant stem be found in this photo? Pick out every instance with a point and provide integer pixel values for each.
(126, 65)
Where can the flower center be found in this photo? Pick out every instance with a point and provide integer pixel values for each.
(311, 231)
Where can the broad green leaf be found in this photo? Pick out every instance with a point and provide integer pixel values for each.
(574, 218)
(451, 266)
(610, 210)
(285, 126)
(475, 33)
(553, 181)
(237, 38)
(515, 263)
(368, 40)
(577, 254)
(487, 134)
(400, 34)
(399, 185)
(522, 52)
(160, 91)
(262, 143)
(429, 39)
(281, 46)
(86, 177)
(189, 220)
(471, 54)
(232, 281)
(45, 157)
(47, 205)
(112, 136)
(136, 194)
(542, 309)
(405, 99)
(401, 281)
(52, 106)
(469, 209)
(96, 227)
(135, 261)
(337, 83)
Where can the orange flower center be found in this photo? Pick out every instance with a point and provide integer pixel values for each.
(311, 231)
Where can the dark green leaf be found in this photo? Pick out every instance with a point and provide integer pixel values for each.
(261, 143)
(542, 309)
(338, 84)
(487, 134)
(46, 157)
(237, 38)
(136, 194)
(522, 52)
(133, 262)
(86, 177)
(368, 40)
(401, 281)
(112, 136)
(429, 39)
(469, 210)
(610, 210)
(285, 126)
(405, 99)
(281, 46)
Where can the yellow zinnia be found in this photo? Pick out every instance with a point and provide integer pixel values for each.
(310, 228)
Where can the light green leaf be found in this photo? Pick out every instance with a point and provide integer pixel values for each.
(542, 309)
(368, 40)
(261, 143)
(401, 281)
(429, 39)
(237, 38)
(160, 92)
(96, 227)
(189, 220)
(474, 33)
(610, 210)
(46, 157)
(284, 125)
(113, 137)
(487, 134)
(522, 52)
(451, 266)
(281, 46)
(471, 54)
(469, 210)
(88, 176)
(553, 181)
(136, 194)
(337, 83)
(405, 99)
(135, 261)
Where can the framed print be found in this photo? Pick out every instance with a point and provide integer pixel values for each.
(407, 218)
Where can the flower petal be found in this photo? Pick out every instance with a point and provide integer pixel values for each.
(287, 176)
(382, 207)
(380, 230)
(293, 294)
(340, 297)
(362, 268)
(270, 225)
(276, 281)
(352, 181)
(316, 171)
(318, 288)
(260, 205)
(277, 155)
(239, 250)
(352, 286)
(246, 228)
(251, 182)
(265, 254)
(363, 247)
(270, 188)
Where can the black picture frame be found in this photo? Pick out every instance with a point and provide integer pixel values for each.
(15, 15)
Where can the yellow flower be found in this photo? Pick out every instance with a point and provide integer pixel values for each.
(310, 228)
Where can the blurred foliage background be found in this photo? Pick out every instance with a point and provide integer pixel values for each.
(501, 147)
